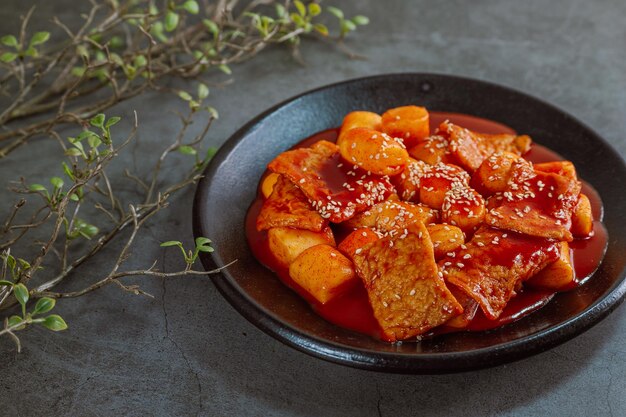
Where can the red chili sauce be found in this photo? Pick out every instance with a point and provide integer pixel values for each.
(352, 310)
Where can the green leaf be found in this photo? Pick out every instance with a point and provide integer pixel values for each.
(67, 170)
(211, 26)
(213, 112)
(44, 305)
(171, 243)
(203, 244)
(314, 9)
(210, 153)
(191, 6)
(297, 19)
(30, 51)
(8, 57)
(82, 51)
(116, 42)
(335, 12)
(187, 150)
(97, 120)
(94, 141)
(9, 40)
(185, 95)
(112, 121)
(37, 187)
(202, 241)
(115, 58)
(10, 262)
(56, 182)
(54, 322)
(140, 61)
(300, 6)
(203, 91)
(321, 28)
(39, 38)
(347, 26)
(280, 10)
(171, 20)
(87, 230)
(78, 71)
(74, 197)
(72, 152)
(15, 320)
(225, 69)
(360, 20)
(21, 293)
(5, 282)
(23, 264)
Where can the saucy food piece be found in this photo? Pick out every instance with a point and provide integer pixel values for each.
(582, 217)
(438, 180)
(407, 122)
(267, 187)
(499, 170)
(373, 151)
(446, 238)
(359, 119)
(392, 215)
(356, 240)
(463, 207)
(540, 206)
(287, 206)
(335, 189)
(405, 289)
(559, 275)
(471, 148)
(323, 272)
(432, 150)
(286, 243)
(407, 183)
(459, 233)
(493, 263)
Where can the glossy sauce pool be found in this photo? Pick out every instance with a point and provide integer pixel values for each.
(352, 310)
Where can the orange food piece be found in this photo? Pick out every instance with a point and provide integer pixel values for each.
(334, 188)
(540, 206)
(432, 150)
(471, 148)
(287, 206)
(564, 168)
(470, 307)
(438, 180)
(407, 122)
(446, 238)
(498, 170)
(463, 207)
(373, 151)
(582, 217)
(267, 186)
(391, 216)
(406, 291)
(359, 119)
(494, 263)
(286, 243)
(557, 276)
(323, 272)
(407, 183)
(357, 240)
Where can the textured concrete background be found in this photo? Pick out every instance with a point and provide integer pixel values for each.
(187, 352)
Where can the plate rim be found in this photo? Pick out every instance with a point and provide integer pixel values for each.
(397, 362)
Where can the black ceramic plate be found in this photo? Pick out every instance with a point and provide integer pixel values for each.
(230, 185)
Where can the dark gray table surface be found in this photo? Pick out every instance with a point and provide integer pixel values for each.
(188, 352)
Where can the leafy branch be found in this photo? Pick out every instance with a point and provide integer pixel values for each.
(120, 50)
